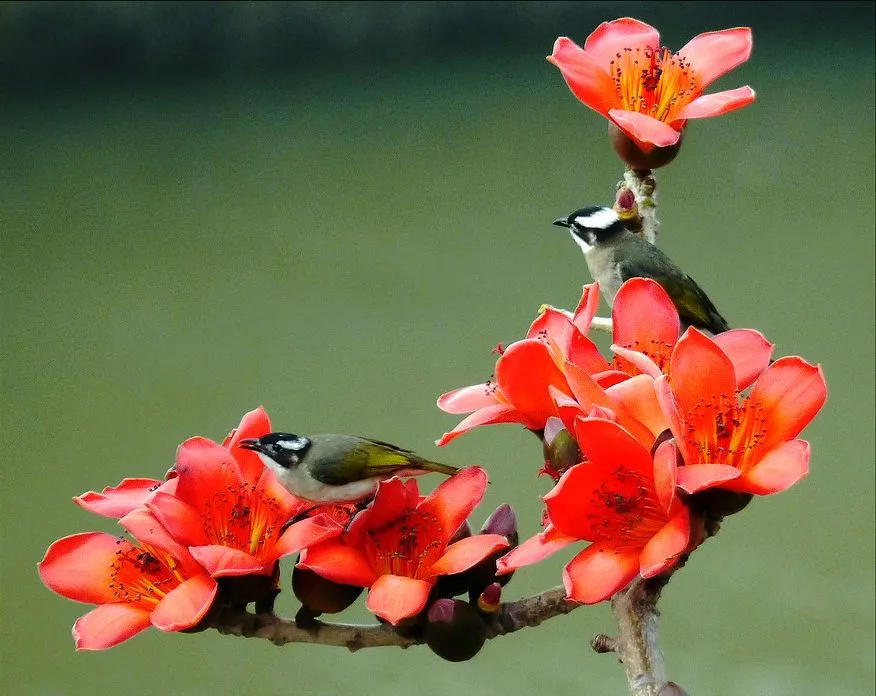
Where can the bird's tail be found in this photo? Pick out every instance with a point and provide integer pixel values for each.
(427, 465)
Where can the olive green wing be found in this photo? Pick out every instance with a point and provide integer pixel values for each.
(693, 305)
(385, 458)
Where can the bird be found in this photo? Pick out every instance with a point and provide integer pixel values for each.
(614, 255)
(330, 468)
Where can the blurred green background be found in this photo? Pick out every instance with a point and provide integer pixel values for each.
(336, 210)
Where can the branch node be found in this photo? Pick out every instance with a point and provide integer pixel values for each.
(602, 643)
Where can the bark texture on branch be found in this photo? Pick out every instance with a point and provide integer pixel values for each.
(511, 617)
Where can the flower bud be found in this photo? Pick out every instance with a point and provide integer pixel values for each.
(321, 596)
(635, 158)
(454, 630)
(490, 600)
(715, 503)
(503, 521)
(560, 449)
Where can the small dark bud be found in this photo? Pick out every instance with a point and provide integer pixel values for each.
(321, 596)
(715, 503)
(625, 200)
(491, 599)
(454, 630)
(560, 449)
(238, 591)
(630, 153)
(463, 532)
(503, 520)
(672, 689)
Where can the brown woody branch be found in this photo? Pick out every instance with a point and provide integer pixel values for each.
(511, 617)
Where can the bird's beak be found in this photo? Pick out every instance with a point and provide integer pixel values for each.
(562, 222)
(251, 444)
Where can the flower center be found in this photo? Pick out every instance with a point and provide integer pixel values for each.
(653, 81)
(724, 431)
(624, 510)
(658, 351)
(244, 519)
(142, 575)
(409, 546)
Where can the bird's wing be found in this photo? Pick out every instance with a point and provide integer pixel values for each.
(693, 305)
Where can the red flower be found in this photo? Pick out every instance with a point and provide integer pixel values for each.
(131, 493)
(646, 90)
(118, 501)
(646, 325)
(400, 544)
(232, 515)
(154, 582)
(740, 443)
(527, 369)
(623, 501)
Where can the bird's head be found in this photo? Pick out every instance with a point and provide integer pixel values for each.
(283, 449)
(592, 225)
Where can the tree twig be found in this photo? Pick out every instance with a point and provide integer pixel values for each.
(512, 616)
(644, 186)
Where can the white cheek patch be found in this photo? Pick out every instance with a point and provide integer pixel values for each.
(602, 219)
(585, 247)
(294, 445)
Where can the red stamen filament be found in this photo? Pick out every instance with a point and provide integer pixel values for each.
(653, 81)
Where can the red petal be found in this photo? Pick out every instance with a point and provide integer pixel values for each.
(533, 550)
(664, 548)
(467, 552)
(716, 53)
(584, 353)
(453, 501)
(675, 419)
(78, 566)
(340, 563)
(553, 326)
(717, 103)
(778, 470)
(638, 398)
(277, 496)
(524, 372)
(598, 572)
(185, 605)
(665, 467)
(587, 307)
(698, 477)
(699, 370)
(632, 360)
(588, 80)
(392, 500)
(118, 501)
(749, 351)
(644, 318)
(489, 415)
(223, 561)
(108, 625)
(645, 130)
(394, 598)
(179, 518)
(254, 424)
(588, 393)
(468, 399)
(611, 38)
(304, 533)
(791, 391)
(206, 473)
(146, 529)
(606, 443)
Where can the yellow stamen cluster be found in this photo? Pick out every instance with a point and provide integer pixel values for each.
(408, 546)
(653, 81)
